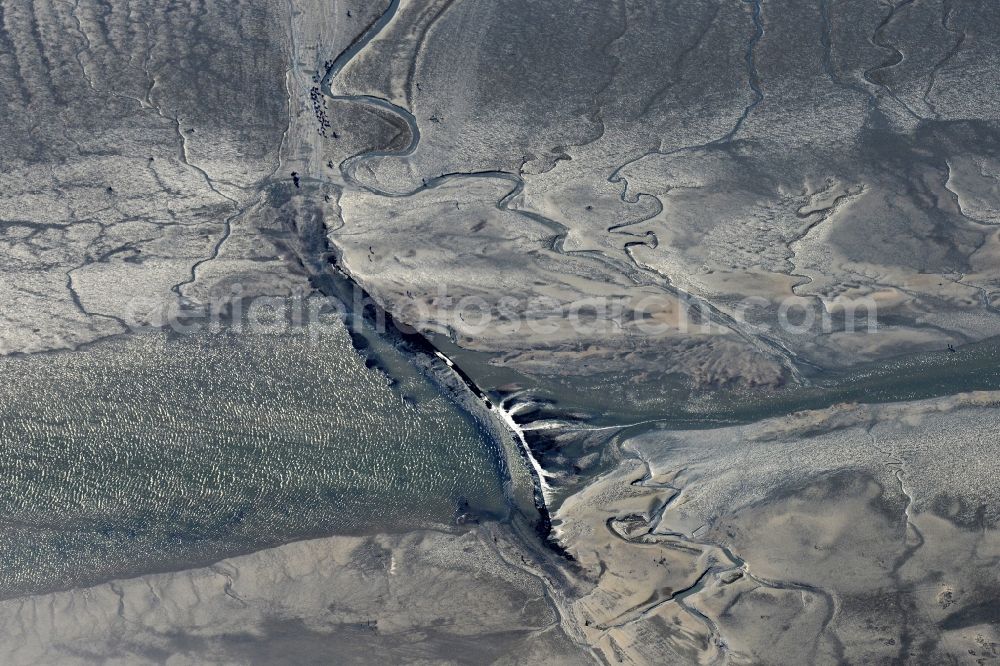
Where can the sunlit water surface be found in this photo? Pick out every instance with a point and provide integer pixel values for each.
(155, 452)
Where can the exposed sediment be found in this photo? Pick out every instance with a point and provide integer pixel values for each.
(783, 204)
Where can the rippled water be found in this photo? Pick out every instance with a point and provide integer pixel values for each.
(153, 451)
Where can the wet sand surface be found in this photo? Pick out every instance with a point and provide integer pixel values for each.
(423, 597)
(690, 477)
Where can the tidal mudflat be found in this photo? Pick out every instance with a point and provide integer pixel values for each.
(714, 286)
